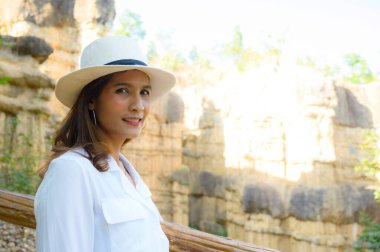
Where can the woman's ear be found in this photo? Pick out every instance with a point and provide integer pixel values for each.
(91, 105)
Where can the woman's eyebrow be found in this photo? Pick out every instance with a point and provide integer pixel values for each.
(123, 84)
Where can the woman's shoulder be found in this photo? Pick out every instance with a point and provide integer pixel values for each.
(67, 172)
(76, 159)
(77, 154)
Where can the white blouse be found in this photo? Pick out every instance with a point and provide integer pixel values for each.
(79, 209)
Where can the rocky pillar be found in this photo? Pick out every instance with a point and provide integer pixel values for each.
(66, 25)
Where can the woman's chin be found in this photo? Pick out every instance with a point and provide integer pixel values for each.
(134, 135)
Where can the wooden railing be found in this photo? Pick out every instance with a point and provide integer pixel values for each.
(18, 209)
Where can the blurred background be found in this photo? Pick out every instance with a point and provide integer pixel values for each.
(271, 135)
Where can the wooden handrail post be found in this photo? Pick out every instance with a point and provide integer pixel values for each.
(17, 208)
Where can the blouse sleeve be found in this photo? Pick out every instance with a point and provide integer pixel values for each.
(64, 209)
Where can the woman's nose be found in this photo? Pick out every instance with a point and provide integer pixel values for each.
(137, 104)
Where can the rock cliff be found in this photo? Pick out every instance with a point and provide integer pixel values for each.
(289, 144)
(268, 157)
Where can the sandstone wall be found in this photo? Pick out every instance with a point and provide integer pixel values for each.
(268, 159)
(63, 24)
(289, 142)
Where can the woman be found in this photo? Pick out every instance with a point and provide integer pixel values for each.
(91, 198)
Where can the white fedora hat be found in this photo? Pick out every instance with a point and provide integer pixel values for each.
(109, 55)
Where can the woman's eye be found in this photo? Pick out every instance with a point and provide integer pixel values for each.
(145, 92)
(122, 91)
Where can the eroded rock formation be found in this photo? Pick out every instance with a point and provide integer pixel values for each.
(271, 164)
(289, 151)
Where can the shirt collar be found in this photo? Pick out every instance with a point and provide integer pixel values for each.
(113, 167)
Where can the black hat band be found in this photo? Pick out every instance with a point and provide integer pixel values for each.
(128, 62)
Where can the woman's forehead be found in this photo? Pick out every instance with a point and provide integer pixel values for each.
(130, 78)
(130, 74)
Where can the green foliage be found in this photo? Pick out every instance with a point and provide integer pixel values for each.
(17, 166)
(4, 80)
(359, 72)
(164, 54)
(172, 60)
(130, 26)
(355, 70)
(236, 45)
(194, 226)
(197, 58)
(326, 69)
(202, 70)
(152, 52)
(330, 70)
(274, 45)
(243, 57)
(370, 164)
(222, 233)
(370, 237)
(6, 43)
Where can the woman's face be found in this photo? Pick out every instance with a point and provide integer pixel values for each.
(123, 105)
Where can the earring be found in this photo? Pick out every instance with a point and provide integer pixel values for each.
(94, 116)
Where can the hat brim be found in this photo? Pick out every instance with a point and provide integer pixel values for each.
(69, 86)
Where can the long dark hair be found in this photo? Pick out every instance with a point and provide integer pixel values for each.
(78, 129)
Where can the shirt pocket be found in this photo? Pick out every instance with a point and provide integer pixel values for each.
(118, 210)
(127, 222)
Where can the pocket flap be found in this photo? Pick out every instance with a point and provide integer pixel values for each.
(117, 210)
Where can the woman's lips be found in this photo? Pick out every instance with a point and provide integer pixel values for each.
(135, 122)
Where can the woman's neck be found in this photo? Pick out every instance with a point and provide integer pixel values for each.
(115, 154)
(113, 146)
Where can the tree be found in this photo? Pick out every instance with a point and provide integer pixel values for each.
(130, 25)
(243, 57)
(164, 54)
(370, 166)
(359, 72)
(370, 237)
(197, 58)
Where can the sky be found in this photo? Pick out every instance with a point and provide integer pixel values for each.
(323, 29)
